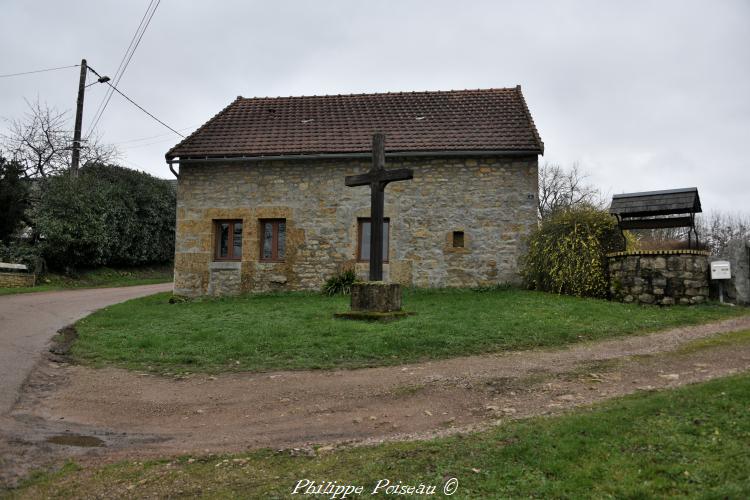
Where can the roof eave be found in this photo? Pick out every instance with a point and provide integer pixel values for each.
(317, 156)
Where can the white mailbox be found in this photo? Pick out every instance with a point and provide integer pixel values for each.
(720, 270)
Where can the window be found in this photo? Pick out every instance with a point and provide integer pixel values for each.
(363, 239)
(458, 239)
(228, 239)
(273, 240)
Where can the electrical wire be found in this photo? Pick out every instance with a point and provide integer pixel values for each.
(125, 61)
(142, 109)
(108, 95)
(141, 139)
(38, 71)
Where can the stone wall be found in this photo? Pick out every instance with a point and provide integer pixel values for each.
(492, 200)
(659, 277)
(15, 280)
(737, 289)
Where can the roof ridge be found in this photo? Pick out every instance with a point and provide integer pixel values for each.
(370, 94)
(537, 137)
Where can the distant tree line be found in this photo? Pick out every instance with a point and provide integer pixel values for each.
(107, 215)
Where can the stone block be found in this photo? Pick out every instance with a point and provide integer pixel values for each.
(660, 282)
(646, 298)
(376, 296)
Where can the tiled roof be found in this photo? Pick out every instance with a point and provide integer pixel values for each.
(444, 121)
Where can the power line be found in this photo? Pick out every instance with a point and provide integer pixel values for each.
(38, 71)
(125, 61)
(108, 95)
(142, 109)
(141, 139)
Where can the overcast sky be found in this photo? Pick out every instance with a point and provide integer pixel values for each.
(643, 95)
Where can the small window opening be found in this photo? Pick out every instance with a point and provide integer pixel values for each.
(458, 239)
(228, 242)
(273, 240)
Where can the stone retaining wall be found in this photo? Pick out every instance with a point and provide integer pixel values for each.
(16, 280)
(659, 277)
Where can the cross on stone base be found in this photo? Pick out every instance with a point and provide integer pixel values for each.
(378, 178)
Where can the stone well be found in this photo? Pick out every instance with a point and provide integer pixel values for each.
(662, 277)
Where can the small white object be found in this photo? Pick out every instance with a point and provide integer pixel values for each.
(18, 267)
(720, 270)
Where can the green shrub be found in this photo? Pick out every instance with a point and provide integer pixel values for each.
(108, 215)
(14, 198)
(22, 253)
(340, 283)
(567, 254)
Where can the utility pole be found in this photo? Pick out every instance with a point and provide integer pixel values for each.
(79, 118)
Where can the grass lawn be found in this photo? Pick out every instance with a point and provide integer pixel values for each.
(689, 442)
(298, 331)
(98, 278)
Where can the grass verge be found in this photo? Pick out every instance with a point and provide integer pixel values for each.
(298, 331)
(733, 338)
(98, 278)
(690, 442)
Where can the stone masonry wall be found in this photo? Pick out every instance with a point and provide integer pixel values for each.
(15, 280)
(736, 289)
(492, 200)
(659, 277)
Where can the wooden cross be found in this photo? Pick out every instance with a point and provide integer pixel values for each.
(377, 178)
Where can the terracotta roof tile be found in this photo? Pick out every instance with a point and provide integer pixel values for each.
(456, 120)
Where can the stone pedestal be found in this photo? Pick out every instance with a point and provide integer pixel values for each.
(375, 301)
(376, 296)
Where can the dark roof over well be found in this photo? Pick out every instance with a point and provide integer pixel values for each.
(651, 203)
(495, 120)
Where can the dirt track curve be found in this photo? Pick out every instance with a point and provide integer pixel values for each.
(143, 415)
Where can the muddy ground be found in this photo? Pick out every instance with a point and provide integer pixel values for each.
(98, 415)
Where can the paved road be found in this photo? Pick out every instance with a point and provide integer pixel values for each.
(29, 320)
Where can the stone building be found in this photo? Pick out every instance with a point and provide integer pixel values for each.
(262, 205)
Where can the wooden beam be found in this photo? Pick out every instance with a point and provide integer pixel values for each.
(656, 223)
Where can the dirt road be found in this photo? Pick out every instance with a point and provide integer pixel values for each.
(140, 415)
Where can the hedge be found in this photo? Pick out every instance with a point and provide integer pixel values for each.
(108, 215)
(567, 253)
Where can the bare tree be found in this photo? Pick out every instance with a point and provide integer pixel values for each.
(717, 229)
(560, 188)
(41, 142)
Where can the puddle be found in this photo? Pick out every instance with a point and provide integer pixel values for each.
(75, 440)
